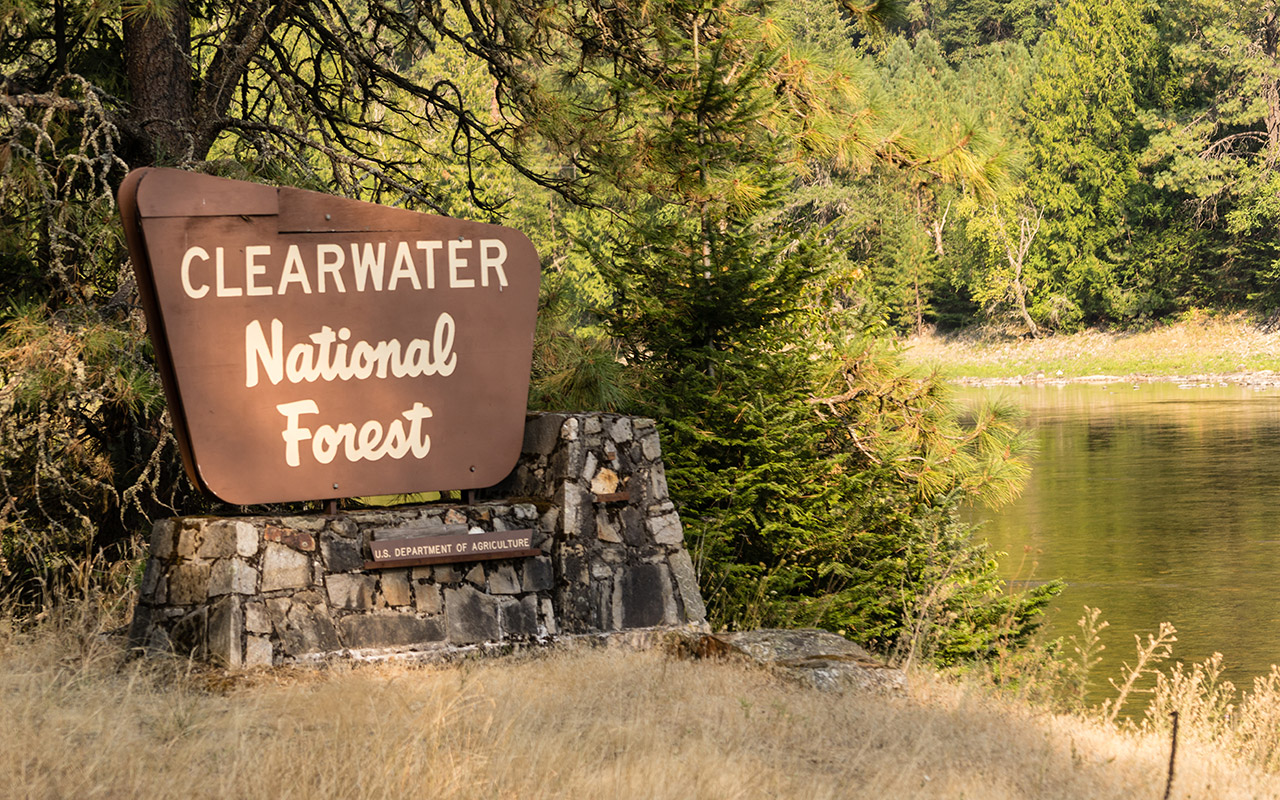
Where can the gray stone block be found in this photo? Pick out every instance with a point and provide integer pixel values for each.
(446, 573)
(574, 565)
(342, 555)
(620, 430)
(645, 595)
(503, 580)
(475, 575)
(538, 574)
(226, 624)
(541, 433)
(566, 463)
(395, 587)
(140, 625)
(189, 583)
(579, 512)
(569, 429)
(303, 629)
(549, 625)
(350, 591)
(658, 491)
(549, 520)
(519, 618)
(602, 600)
(247, 540)
(189, 637)
(232, 575)
(650, 446)
(362, 631)
(284, 568)
(426, 599)
(188, 542)
(634, 531)
(158, 641)
(819, 659)
(314, 524)
(258, 652)
(225, 538)
(345, 528)
(666, 529)
(163, 534)
(256, 619)
(473, 617)
(525, 512)
(150, 580)
(687, 585)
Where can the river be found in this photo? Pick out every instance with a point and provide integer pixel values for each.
(1154, 502)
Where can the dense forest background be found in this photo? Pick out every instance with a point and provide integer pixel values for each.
(1137, 147)
(739, 204)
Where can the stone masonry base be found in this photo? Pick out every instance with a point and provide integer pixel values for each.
(261, 590)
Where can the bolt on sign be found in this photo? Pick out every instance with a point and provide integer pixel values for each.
(314, 347)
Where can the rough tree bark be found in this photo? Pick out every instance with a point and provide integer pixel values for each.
(157, 56)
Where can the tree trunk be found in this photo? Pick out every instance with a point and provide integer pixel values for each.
(1269, 30)
(1017, 256)
(157, 56)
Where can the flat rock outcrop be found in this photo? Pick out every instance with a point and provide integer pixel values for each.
(817, 658)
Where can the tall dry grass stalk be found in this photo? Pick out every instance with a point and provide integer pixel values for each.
(1159, 647)
(86, 721)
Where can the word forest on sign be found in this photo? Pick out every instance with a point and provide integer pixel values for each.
(315, 347)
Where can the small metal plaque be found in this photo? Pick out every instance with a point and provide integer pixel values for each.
(442, 548)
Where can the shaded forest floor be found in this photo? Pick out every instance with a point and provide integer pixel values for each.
(82, 719)
(1230, 349)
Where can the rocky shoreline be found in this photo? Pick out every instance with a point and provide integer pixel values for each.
(1261, 379)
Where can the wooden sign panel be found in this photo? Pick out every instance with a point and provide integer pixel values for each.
(316, 347)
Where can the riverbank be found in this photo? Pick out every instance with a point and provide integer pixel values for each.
(1226, 350)
(81, 719)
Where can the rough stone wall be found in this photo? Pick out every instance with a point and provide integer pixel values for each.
(259, 590)
(619, 553)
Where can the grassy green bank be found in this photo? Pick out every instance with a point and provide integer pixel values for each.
(1224, 349)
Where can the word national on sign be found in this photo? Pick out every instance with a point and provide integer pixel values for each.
(314, 346)
(327, 355)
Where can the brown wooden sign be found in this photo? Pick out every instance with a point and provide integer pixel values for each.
(316, 347)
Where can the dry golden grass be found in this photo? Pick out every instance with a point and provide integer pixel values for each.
(1219, 346)
(80, 720)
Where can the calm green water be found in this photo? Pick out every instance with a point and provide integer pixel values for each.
(1155, 503)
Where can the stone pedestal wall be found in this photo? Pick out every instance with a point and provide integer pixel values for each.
(260, 590)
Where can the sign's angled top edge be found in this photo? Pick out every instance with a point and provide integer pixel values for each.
(164, 192)
(161, 192)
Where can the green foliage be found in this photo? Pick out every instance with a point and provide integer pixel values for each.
(87, 458)
(1085, 140)
(692, 172)
(815, 479)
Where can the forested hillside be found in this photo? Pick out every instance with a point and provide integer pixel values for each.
(1136, 147)
(737, 203)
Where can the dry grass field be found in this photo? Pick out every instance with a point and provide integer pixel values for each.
(1227, 348)
(80, 719)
